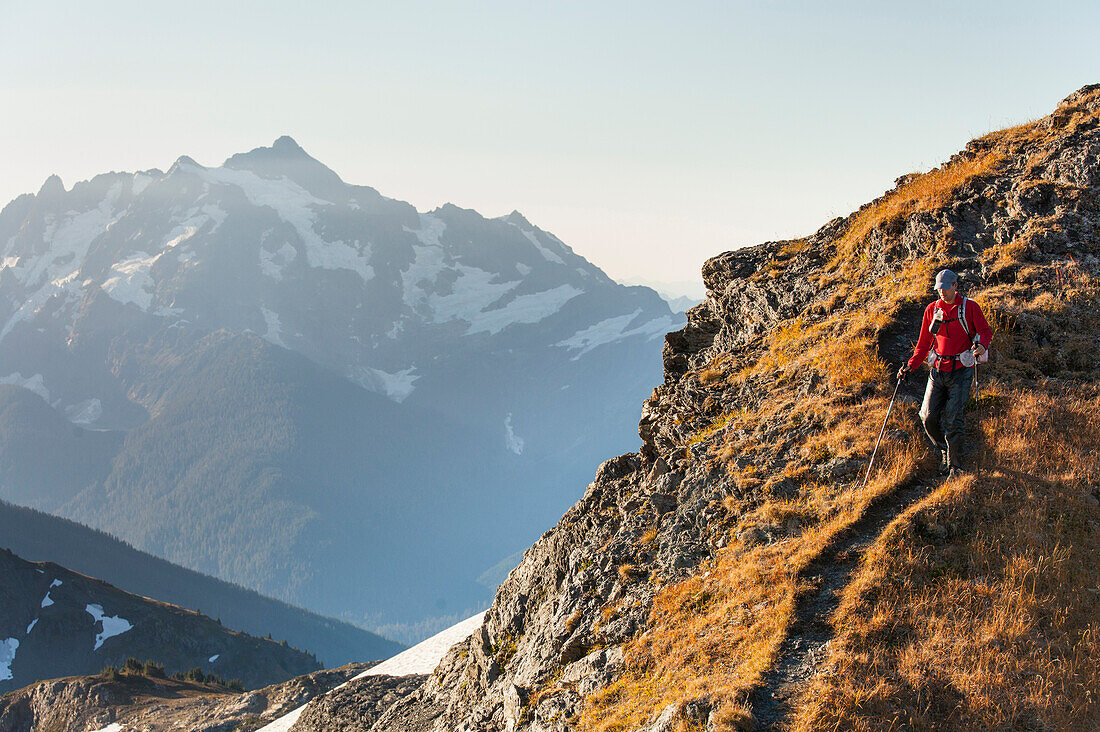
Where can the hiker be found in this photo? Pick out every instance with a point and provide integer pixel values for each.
(957, 340)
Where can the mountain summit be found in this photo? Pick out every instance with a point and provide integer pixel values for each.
(302, 373)
(743, 570)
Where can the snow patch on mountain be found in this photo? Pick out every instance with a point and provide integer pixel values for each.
(284, 723)
(272, 263)
(47, 600)
(31, 626)
(531, 308)
(112, 625)
(53, 272)
(511, 440)
(132, 282)
(472, 292)
(340, 255)
(397, 386)
(274, 327)
(8, 647)
(86, 412)
(112, 727)
(297, 207)
(213, 658)
(196, 220)
(545, 251)
(615, 329)
(69, 241)
(140, 182)
(428, 260)
(420, 659)
(36, 383)
(61, 287)
(425, 656)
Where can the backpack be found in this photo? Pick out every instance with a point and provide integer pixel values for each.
(966, 329)
(967, 357)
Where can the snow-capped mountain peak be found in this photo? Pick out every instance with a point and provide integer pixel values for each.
(302, 365)
(275, 243)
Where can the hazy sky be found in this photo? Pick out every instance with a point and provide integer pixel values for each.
(648, 136)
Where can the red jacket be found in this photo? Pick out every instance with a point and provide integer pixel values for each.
(951, 340)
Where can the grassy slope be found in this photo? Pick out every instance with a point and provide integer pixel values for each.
(985, 620)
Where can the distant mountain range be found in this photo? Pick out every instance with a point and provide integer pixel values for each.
(38, 536)
(679, 295)
(299, 385)
(54, 622)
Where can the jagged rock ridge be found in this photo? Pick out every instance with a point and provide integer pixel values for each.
(753, 452)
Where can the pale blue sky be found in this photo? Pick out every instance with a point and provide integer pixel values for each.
(648, 136)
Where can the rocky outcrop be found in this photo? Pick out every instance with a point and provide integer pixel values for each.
(357, 706)
(556, 629)
(157, 704)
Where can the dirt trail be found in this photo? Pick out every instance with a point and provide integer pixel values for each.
(808, 641)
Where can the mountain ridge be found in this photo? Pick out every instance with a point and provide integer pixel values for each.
(39, 536)
(739, 572)
(450, 351)
(51, 615)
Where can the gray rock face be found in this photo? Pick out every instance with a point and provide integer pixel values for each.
(556, 628)
(357, 706)
(162, 705)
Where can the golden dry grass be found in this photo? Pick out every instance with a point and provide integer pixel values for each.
(987, 626)
(979, 608)
(930, 190)
(714, 635)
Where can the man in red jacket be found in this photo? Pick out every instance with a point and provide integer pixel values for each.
(955, 330)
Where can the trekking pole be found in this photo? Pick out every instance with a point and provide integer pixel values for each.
(880, 434)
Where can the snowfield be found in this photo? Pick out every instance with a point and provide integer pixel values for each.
(8, 647)
(112, 625)
(54, 271)
(297, 207)
(615, 329)
(86, 412)
(426, 655)
(420, 659)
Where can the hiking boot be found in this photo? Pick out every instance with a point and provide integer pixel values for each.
(945, 466)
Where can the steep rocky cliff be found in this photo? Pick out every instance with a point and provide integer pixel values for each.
(739, 572)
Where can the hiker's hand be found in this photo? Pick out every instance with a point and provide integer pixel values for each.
(979, 349)
(903, 372)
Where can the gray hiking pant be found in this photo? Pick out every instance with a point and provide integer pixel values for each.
(943, 409)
